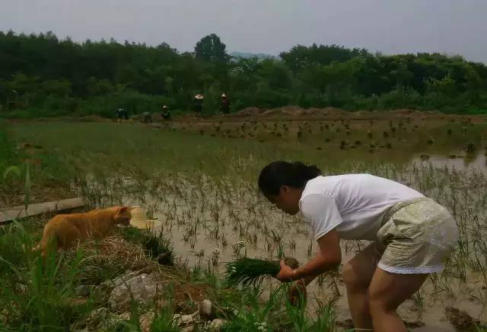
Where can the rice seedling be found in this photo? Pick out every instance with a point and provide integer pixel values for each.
(250, 271)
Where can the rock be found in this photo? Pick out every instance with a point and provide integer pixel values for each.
(142, 288)
(188, 328)
(122, 279)
(184, 320)
(217, 324)
(205, 309)
(146, 321)
(187, 319)
(124, 316)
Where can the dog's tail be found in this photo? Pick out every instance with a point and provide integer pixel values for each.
(49, 239)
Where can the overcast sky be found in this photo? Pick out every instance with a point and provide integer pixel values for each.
(264, 26)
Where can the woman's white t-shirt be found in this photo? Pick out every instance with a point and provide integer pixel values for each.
(352, 204)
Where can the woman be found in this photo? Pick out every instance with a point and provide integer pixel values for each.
(412, 235)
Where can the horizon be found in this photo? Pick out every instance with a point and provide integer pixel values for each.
(230, 52)
(447, 27)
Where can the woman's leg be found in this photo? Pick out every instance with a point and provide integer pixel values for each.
(357, 275)
(386, 292)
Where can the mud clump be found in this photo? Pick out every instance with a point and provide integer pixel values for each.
(461, 320)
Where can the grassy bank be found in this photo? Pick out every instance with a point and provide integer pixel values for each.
(39, 295)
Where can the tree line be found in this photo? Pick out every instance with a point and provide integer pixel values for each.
(42, 75)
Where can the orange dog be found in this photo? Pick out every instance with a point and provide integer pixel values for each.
(67, 230)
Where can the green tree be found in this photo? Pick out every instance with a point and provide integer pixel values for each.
(210, 48)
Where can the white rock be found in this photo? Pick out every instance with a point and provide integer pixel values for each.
(187, 319)
(205, 308)
(124, 316)
(142, 288)
(217, 324)
(122, 279)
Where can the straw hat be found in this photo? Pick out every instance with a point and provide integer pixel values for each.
(139, 219)
(199, 96)
(224, 95)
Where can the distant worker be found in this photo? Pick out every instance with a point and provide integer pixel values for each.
(225, 104)
(166, 115)
(121, 114)
(146, 117)
(198, 103)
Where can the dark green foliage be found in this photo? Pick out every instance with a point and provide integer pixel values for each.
(210, 48)
(300, 57)
(8, 156)
(41, 75)
(163, 322)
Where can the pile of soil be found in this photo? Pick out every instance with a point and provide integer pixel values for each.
(291, 111)
(249, 111)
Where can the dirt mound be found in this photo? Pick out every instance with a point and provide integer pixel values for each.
(296, 111)
(403, 112)
(249, 111)
(293, 112)
(328, 112)
(286, 110)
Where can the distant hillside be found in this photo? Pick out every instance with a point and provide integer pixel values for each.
(246, 55)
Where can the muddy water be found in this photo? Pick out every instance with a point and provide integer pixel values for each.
(211, 224)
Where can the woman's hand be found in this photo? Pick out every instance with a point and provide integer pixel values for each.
(286, 274)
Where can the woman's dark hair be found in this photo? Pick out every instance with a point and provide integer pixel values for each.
(280, 173)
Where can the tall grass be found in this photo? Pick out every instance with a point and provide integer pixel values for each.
(36, 294)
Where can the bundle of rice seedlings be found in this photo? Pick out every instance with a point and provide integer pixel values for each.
(249, 271)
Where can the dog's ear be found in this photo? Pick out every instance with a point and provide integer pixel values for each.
(123, 215)
(124, 211)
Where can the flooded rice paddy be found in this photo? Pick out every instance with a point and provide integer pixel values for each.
(212, 219)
